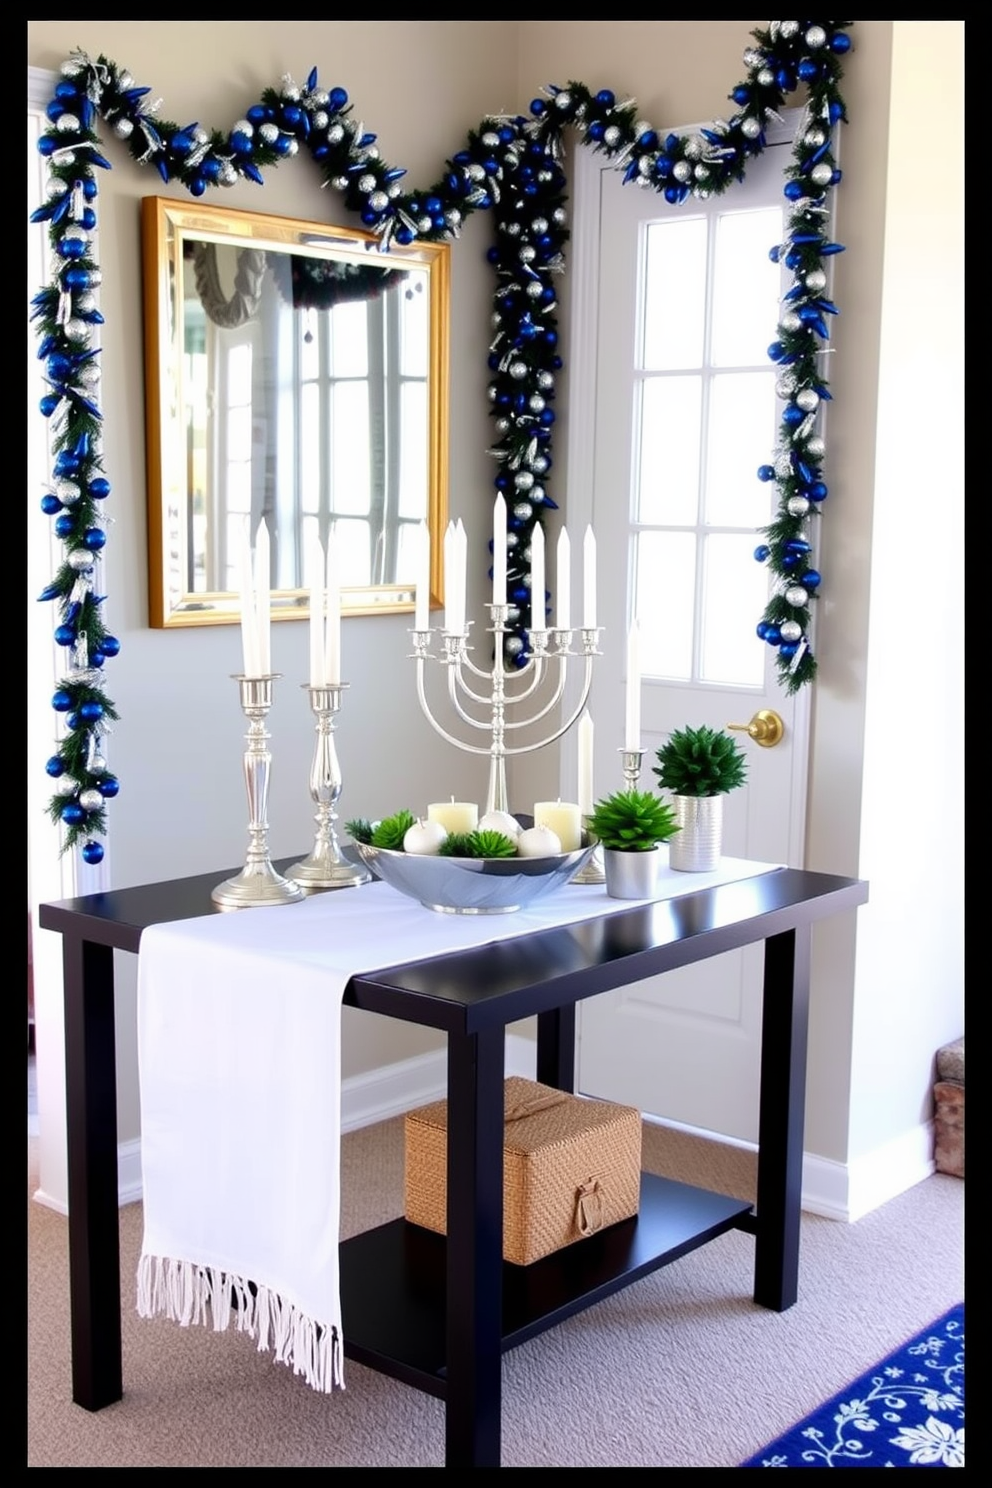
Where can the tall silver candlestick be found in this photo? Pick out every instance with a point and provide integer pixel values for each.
(258, 882)
(325, 868)
(540, 682)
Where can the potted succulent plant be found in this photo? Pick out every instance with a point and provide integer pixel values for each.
(699, 766)
(630, 824)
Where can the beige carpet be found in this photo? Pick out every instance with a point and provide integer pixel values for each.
(680, 1370)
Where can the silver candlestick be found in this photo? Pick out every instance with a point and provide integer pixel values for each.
(258, 882)
(540, 681)
(630, 761)
(325, 868)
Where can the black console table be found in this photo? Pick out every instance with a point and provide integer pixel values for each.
(439, 1313)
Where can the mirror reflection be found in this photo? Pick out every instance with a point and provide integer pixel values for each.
(295, 375)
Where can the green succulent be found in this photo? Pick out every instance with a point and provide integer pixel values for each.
(457, 845)
(632, 821)
(700, 762)
(483, 844)
(389, 833)
(359, 830)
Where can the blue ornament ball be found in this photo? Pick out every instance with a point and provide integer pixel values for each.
(61, 701)
(65, 635)
(92, 852)
(766, 472)
(94, 538)
(109, 787)
(55, 766)
(810, 579)
(72, 814)
(91, 711)
(99, 488)
(762, 552)
(110, 645)
(50, 505)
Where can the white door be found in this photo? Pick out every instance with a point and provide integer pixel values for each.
(685, 411)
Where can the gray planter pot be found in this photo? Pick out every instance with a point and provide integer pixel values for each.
(631, 875)
(696, 848)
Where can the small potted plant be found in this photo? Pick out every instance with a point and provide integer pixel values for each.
(699, 766)
(630, 825)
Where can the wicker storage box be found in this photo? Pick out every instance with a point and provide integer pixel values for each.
(570, 1167)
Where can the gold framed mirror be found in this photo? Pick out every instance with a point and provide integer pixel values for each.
(296, 374)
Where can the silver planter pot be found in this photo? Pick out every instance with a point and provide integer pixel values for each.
(696, 847)
(631, 875)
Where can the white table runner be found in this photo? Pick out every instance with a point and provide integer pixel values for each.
(239, 1061)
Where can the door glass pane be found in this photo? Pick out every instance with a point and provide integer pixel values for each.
(665, 582)
(668, 454)
(349, 340)
(413, 326)
(413, 444)
(354, 552)
(351, 480)
(735, 589)
(746, 287)
(674, 293)
(742, 423)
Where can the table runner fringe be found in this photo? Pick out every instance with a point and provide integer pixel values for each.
(189, 1294)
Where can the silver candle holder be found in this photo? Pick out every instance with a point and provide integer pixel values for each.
(326, 868)
(258, 883)
(630, 763)
(539, 682)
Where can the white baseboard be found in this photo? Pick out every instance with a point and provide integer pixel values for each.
(833, 1190)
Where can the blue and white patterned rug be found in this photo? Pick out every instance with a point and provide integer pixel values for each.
(908, 1411)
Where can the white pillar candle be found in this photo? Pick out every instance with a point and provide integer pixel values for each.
(585, 737)
(537, 618)
(563, 818)
(499, 550)
(332, 626)
(422, 615)
(454, 816)
(632, 735)
(263, 604)
(315, 558)
(251, 664)
(589, 580)
(563, 582)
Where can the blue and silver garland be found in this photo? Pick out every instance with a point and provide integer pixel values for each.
(510, 165)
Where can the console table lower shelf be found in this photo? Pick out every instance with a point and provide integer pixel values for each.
(393, 1278)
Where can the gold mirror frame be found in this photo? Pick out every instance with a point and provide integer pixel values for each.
(169, 230)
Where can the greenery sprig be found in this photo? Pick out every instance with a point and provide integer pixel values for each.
(511, 165)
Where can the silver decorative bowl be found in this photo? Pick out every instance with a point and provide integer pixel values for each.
(472, 885)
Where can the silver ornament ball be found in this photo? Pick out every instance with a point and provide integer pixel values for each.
(523, 480)
(535, 289)
(123, 128)
(539, 225)
(814, 138)
(563, 100)
(80, 559)
(536, 403)
(816, 280)
(816, 37)
(796, 596)
(797, 506)
(91, 799)
(750, 128)
(335, 134)
(523, 511)
(611, 135)
(514, 645)
(766, 77)
(65, 785)
(785, 387)
(790, 322)
(518, 371)
(815, 447)
(378, 201)
(67, 124)
(76, 330)
(682, 170)
(807, 400)
(822, 174)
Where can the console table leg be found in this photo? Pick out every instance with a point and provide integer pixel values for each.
(781, 1119)
(556, 1047)
(91, 1144)
(474, 1325)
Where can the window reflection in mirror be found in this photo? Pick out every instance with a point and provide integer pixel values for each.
(295, 375)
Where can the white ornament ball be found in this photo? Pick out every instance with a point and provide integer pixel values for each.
(816, 37)
(535, 289)
(538, 842)
(424, 838)
(500, 821)
(766, 77)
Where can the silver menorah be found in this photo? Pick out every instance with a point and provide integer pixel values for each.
(491, 691)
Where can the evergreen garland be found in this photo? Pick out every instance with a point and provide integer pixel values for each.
(510, 165)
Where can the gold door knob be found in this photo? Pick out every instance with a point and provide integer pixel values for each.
(766, 728)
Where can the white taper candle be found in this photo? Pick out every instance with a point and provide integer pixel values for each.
(589, 580)
(315, 558)
(632, 736)
(263, 603)
(537, 616)
(563, 582)
(499, 550)
(332, 627)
